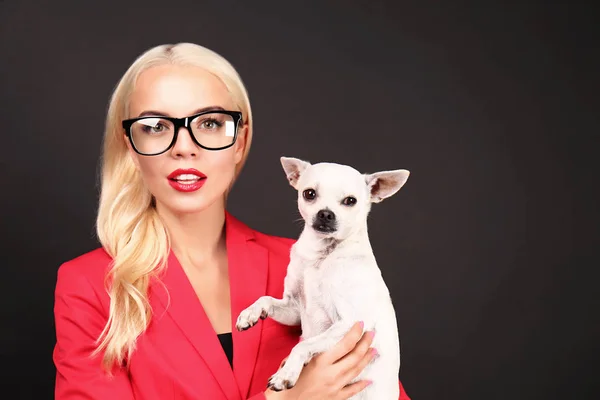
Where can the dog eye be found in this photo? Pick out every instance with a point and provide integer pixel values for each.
(309, 194)
(349, 201)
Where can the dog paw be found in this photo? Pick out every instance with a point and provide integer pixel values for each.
(285, 378)
(250, 316)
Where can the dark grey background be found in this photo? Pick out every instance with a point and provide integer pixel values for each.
(487, 250)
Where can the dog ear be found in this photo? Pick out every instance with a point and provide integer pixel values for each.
(385, 183)
(293, 168)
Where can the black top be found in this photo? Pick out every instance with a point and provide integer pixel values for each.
(227, 343)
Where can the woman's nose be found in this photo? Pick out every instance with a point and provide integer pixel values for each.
(184, 145)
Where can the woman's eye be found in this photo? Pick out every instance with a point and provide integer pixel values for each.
(349, 201)
(309, 194)
(210, 124)
(158, 128)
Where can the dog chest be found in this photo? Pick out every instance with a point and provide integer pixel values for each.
(318, 311)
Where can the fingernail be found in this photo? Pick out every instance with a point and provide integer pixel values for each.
(369, 382)
(362, 324)
(374, 352)
(372, 333)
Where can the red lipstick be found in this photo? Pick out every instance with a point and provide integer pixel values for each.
(186, 180)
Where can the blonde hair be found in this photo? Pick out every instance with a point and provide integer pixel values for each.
(128, 225)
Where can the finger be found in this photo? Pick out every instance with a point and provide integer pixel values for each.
(354, 388)
(355, 370)
(345, 345)
(359, 352)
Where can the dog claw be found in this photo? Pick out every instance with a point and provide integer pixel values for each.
(276, 383)
(250, 317)
(272, 386)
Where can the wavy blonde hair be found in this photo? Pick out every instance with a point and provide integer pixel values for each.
(128, 225)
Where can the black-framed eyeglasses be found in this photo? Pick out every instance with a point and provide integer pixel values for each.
(155, 134)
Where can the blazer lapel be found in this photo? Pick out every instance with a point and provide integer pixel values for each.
(248, 270)
(187, 312)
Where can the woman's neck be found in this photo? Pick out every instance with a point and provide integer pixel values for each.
(196, 238)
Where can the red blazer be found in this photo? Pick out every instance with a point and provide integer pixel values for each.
(179, 356)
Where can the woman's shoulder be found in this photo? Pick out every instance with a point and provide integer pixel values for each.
(276, 244)
(279, 249)
(89, 267)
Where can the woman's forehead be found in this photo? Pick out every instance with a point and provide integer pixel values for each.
(177, 91)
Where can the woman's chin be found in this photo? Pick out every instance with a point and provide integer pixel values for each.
(188, 206)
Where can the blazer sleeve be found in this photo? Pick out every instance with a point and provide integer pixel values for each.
(79, 320)
(403, 395)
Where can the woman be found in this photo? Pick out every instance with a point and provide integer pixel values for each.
(149, 315)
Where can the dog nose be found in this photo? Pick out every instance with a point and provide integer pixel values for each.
(326, 216)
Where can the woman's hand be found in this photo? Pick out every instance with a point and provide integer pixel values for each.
(327, 375)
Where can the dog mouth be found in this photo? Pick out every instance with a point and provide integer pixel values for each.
(324, 228)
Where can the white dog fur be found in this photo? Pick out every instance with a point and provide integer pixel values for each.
(333, 279)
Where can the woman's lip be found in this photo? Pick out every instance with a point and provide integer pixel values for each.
(186, 171)
(187, 187)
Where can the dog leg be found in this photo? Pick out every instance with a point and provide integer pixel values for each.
(284, 311)
(303, 352)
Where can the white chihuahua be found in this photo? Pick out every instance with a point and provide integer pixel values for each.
(333, 279)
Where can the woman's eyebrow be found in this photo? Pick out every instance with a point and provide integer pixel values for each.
(154, 112)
